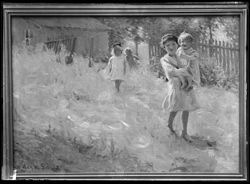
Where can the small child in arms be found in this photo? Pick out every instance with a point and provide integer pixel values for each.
(189, 60)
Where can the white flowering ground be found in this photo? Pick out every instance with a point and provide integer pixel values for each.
(69, 119)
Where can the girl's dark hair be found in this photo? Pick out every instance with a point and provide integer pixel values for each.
(117, 44)
(166, 38)
(117, 48)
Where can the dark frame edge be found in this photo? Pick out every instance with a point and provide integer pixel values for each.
(7, 167)
(243, 94)
(129, 6)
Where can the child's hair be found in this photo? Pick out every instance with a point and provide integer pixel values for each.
(166, 38)
(185, 36)
(117, 44)
(128, 50)
(117, 48)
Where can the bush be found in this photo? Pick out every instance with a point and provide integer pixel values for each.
(214, 75)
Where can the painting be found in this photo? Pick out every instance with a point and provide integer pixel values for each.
(120, 91)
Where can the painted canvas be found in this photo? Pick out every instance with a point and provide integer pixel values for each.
(107, 94)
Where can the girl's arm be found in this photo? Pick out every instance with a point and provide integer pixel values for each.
(193, 56)
(170, 71)
(137, 58)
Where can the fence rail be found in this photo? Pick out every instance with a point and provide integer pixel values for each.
(224, 54)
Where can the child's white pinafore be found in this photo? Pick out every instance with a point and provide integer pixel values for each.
(117, 65)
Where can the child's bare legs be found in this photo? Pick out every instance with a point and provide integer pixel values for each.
(117, 85)
(171, 120)
(185, 135)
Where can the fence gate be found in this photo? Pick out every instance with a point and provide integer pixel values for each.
(69, 44)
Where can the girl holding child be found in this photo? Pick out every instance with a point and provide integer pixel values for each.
(180, 69)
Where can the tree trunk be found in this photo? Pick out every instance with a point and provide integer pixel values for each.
(136, 48)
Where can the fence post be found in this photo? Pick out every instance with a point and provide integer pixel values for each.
(215, 51)
(219, 52)
(224, 56)
(210, 42)
(236, 59)
(231, 59)
(228, 58)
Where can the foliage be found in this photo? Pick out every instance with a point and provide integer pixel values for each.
(122, 29)
(214, 75)
(151, 29)
(207, 26)
(231, 27)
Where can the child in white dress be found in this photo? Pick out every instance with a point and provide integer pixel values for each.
(117, 67)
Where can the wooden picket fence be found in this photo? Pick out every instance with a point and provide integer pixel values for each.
(155, 50)
(224, 54)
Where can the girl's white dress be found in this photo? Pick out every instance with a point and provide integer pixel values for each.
(176, 99)
(116, 66)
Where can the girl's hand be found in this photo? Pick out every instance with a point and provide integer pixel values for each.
(183, 55)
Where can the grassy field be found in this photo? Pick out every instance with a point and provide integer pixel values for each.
(69, 119)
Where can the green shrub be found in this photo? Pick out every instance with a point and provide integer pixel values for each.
(214, 75)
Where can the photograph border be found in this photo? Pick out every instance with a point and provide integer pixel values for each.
(74, 10)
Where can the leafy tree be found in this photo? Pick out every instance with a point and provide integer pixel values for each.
(207, 26)
(123, 28)
(231, 27)
(119, 29)
(136, 32)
